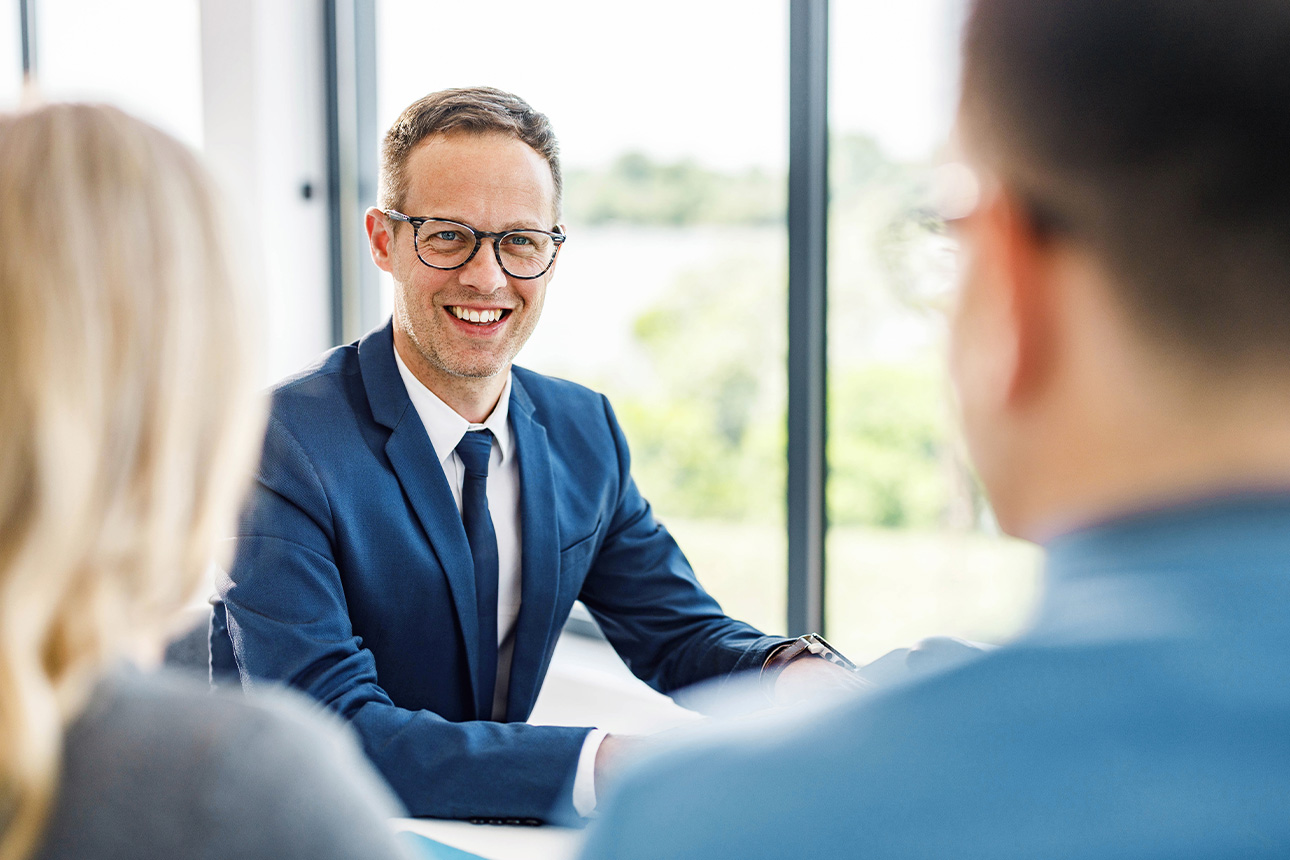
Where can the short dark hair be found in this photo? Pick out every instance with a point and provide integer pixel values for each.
(1158, 133)
(480, 110)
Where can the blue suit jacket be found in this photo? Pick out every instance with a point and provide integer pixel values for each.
(1146, 714)
(353, 581)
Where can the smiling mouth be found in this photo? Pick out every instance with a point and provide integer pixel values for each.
(478, 317)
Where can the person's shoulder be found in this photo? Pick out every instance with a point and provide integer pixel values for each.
(330, 372)
(803, 781)
(1013, 745)
(789, 783)
(727, 790)
(553, 392)
(184, 704)
(579, 421)
(262, 776)
(166, 704)
(189, 726)
(324, 407)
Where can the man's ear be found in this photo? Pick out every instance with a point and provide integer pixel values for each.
(380, 237)
(1025, 260)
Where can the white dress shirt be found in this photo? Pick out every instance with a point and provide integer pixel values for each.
(446, 428)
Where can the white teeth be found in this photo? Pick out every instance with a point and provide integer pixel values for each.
(483, 317)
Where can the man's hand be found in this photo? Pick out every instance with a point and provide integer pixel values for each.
(810, 677)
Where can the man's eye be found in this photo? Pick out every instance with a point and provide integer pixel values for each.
(519, 240)
(447, 236)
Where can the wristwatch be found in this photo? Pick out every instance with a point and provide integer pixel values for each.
(810, 644)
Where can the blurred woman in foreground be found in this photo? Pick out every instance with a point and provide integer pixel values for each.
(128, 429)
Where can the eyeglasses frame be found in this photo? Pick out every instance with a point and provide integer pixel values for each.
(480, 236)
(969, 197)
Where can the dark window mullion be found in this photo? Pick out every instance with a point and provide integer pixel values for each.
(27, 25)
(807, 298)
(351, 162)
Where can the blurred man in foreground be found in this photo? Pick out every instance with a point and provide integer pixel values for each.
(1122, 355)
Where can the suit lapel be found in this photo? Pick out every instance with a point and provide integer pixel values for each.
(539, 556)
(416, 464)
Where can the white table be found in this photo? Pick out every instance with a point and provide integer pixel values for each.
(498, 842)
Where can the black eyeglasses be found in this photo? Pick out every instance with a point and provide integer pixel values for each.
(444, 244)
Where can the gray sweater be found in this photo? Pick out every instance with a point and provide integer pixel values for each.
(158, 767)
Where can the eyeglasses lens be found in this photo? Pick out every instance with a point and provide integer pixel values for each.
(524, 253)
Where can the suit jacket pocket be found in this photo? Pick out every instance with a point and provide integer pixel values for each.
(578, 555)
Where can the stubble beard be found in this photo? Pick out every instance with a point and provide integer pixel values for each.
(423, 336)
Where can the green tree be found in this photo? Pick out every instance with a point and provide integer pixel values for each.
(708, 427)
(637, 190)
(888, 447)
(708, 432)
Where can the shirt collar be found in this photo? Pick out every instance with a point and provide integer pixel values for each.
(444, 426)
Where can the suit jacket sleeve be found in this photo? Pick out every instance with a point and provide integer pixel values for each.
(289, 623)
(641, 590)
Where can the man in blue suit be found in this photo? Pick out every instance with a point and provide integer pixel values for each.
(1121, 350)
(426, 515)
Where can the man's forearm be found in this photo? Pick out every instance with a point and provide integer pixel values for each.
(442, 769)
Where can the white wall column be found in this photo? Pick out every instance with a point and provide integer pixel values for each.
(264, 89)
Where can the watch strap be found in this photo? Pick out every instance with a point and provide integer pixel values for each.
(812, 644)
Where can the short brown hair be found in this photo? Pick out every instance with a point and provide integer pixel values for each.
(1155, 133)
(480, 110)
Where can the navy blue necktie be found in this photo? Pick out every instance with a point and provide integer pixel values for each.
(474, 449)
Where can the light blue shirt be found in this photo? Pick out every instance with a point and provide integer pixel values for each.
(1146, 713)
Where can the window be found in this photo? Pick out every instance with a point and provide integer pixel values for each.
(912, 550)
(142, 55)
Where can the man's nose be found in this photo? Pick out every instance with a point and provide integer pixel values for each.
(483, 271)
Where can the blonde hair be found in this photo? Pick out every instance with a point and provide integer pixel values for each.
(128, 418)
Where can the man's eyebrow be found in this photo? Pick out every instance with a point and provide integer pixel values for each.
(520, 225)
(505, 228)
